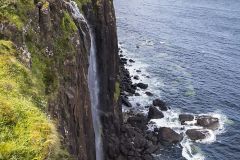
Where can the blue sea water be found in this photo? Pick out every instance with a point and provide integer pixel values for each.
(191, 51)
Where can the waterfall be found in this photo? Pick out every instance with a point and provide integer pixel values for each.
(92, 82)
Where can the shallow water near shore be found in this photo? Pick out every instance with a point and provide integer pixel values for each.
(191, 52)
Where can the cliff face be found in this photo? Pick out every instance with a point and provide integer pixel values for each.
(54, 49)
(107, 58)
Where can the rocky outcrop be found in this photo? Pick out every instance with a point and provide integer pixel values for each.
(167, 136)
(161, 104)
(208, 122)
(185, 117)
(196, 134)
(154, 113)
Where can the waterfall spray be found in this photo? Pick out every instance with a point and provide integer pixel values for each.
(92, 81)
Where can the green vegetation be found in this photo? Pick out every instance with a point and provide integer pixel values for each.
(25, 131)
(67, 24)
(117, 91)
(81, 2)
(14, 11)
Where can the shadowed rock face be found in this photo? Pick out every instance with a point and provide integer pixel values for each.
(102, 18)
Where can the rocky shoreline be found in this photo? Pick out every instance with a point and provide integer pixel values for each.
(137, 141)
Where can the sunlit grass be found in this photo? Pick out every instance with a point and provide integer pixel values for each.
(25, 130)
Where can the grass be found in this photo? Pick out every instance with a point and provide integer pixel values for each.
(15, 11)
(25, 131)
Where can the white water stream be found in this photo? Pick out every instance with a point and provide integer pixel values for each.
(92, 81)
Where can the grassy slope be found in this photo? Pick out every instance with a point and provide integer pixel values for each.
(25, 130)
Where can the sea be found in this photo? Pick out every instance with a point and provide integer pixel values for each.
(188, 52)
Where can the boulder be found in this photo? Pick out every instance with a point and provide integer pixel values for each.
(196, 134)
(154, 113)
(132, 61)
(126, 102)
(168, 136)
(185, 117)
(142, 85)
(161, 104)
(139, 121)
(123, 61)
(136, 77)
(208, 122)
(149, 94)
(138, 71)
(137, 94)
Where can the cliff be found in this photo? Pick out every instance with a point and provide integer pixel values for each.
(45, 108)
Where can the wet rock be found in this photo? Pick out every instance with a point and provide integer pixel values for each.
(137, 94)
(149, 94)
(126, 102)
(151, 149)
(161, 104)
(132, 61)
(196, 134)
(148, 157)
(139, 121)
(185, 117)
(123, 60)
(136, 77)
(142, 85)
(208, 122)
(152, 137)
(168, 136)
(154, 113)
(147, 106)
(138, 71)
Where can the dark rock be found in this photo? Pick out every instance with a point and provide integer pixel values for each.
(196, 134)
(123, 60)
(185, 117)
(142, 85)
(136, 77)
(147, 106)
(149, 94)
(126, 102)
(137, 94)
(138, 71)
(161, 104)
(138, 104)
(151, 149)
(148, 157)
(152, 137)
(137, 46)
(168, 136)
(139, 121)
(132, 61)
(154, 113)
(208, 122)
